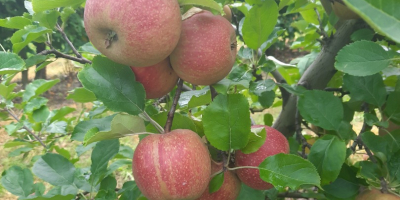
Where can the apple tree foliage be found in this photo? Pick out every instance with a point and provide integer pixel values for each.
(351, 69)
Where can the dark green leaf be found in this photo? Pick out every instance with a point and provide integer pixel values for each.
(268, 119)
(195, 98)
(103, 152)
(103, 124)
(180, 122)
(370, 171)
(35, 104)
(362, 58)
(247, 193)
(267, 98)
(129, 191)
(376, 143)
(392, 108)
(286, 170)
(107, 189)
(328, 155)
(117, 164)
(227, 122)
(369, 88)
(262, 86)
(321, 108)
(362, 34)
(54, 169)
(10, 63)
(216, 183)
(259, 23)
(17, 181)
(114, 84)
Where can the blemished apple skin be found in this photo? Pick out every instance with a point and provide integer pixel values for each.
(147, 31)
(229, 190)
(157, 80)
(206, 51)
(275, 143)
(174, 165)
(375, 194)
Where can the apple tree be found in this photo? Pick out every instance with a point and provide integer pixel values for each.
(195, 82)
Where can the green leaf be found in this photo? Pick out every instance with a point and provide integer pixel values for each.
(38, 87)
(122, 125)
(23, 37)
(227, 122)
(103, 124)
(10, 63)
(362, 34)
(81, 95)
(35, 104)
(107, 189)
(346, 186)
(114, 84)
(59, 114)
(262, 86)
(180, 122)
(65, 13)
(129, 191)
(287, 170)
(362, 58)
(328, 155)
(370, 171)
(247, 193)
(41, 114)
(6, 91)
(321, 108)
(46, 19)
(394, 166)
(382, 16)
(17, 181)
(103, 152)
(376, 143)
(216, 182)
(19, 151)
(392, 108)
(207, 4)
(54, 169)
(89, 48)
(369, 88)
(17, 22)
(117, 164)
(57, 127)
(51, 197)
(195, 98)
(267, 98)
(256, 140)
(268, 119)
(34, 60)
(42, 5)
(259, 23)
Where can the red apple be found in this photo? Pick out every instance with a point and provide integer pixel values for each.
(229, 190)
(206, 51)
(133, 32)
(274, 144)
(174, 165)
(158, 80)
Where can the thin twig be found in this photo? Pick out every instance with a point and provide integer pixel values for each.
(321, 29)
(171, 113)
(214, 93)
(27, 129)
(68, 41)
(63, 55)
(299, 136)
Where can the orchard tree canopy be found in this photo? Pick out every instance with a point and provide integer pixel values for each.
(200, 99)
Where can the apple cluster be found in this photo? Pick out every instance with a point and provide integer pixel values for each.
(159, 44)
(162, 46)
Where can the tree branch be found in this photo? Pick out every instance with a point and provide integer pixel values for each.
(279, 78)
(68, 41)
(26, 128)
(58, 54)
(316, 76)
(171, 113)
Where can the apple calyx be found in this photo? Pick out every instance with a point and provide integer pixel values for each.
(111, 36)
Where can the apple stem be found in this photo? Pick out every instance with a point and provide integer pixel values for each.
(219, 171)
(171, 113)
(243, 167)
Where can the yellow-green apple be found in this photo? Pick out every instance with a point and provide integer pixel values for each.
(375, 194)
(158, 80)
(228, 13)
(206, 51)
(274, 144)
(229, 190)
(174, 165)
(133, 32)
